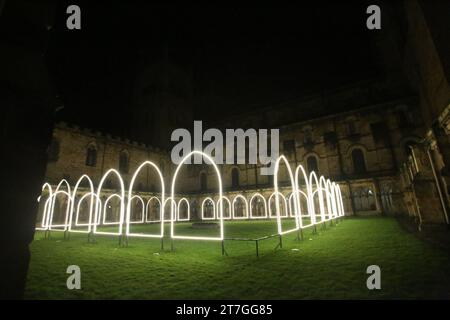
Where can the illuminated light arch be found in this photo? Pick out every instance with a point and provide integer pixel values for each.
(312, 193)
(301, 170)
(52, 210)
(229, 207)
(334, 199)
(173, 205)
(340, 202)
(317, 192)
(77, 214)
(105, 207)
(331, 189)
(203, 209)
(63, 181)
(302, 195)
(246, 216)
(188, 210)
(277, 195)
(60, 184)
(130, 190)
(161, 210)
(91, 206)
(220, 216)
(122, 204)
(291, 200)
(46, 210)
(271, 215)
(259, 195)
(324, 185)
(142, 220)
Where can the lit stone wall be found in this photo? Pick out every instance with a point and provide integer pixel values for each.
(374, 191)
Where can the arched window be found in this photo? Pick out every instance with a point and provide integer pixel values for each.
(91, 156)
(359, 163)
(311, 163)
(53, 150)
(234, 177)
(123, 162)
(203, 182)
(364, 199)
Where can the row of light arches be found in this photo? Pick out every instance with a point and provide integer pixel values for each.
(319, 200)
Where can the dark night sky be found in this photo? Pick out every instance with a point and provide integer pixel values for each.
(239, 57)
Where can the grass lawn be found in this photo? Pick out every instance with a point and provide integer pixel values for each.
(328, 265)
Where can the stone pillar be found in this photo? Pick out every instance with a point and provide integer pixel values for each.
(441, 132)
(437, 165)
(378, 201)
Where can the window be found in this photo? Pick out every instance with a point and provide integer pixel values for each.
(203, 182)
(289, 146)
(91, 156)
(359, 163)
(311, 163)
(123, 162)
(53, 150)
(235, 177)
(364, 199)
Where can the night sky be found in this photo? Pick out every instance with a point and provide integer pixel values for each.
(238, 57)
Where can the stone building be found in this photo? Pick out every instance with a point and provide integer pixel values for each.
(361, 149)
(419, 45)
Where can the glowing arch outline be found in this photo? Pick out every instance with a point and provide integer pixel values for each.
(91, 207)
(130, 190)
(122, 204)
(77, 213)
(147, 210)
(172, 231)
(247, 215)
(229, 207)
(270, 207)
(257, 194)
(142, 220)
(173, 203)
(294, 190)
(203, 209)
(324, 185)
(188, 210)
(45, 213)
(51, 226)
(105, 207)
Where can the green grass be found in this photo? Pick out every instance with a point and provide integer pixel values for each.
(328, 265)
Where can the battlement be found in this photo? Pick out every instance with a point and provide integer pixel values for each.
(106, 137)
